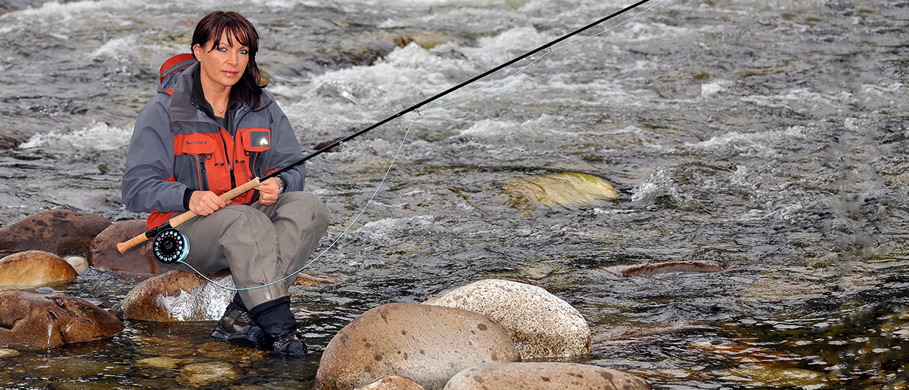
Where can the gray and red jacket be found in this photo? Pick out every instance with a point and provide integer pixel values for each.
(176, 146)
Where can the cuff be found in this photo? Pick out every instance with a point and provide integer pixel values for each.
(186, 196)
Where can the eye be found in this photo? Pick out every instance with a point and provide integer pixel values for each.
(222, 49)
(244, 51)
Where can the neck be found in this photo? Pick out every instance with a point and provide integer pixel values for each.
(216, 95)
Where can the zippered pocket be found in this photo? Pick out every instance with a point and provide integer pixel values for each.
(199, 162)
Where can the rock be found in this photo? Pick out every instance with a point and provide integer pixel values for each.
(777, 378)
(34, 320)
(426, 39)
(648, 268)
(159, 362)
(34, 268)
(207, 374)
(307, 280)
(393, 382)
(426, 343)
(748, 354)
(138, 261)
(544, 376)
(61, 232)
(178, 296)
(565, 189)
(79, 263)
(8, 353)
(541, 324)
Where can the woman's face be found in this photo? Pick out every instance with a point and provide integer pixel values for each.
(222, 66)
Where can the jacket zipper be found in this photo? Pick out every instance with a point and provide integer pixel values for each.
(230, 165)
(203, 174)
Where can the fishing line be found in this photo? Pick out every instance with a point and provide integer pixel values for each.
(419, 113)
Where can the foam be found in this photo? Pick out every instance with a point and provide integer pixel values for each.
(97, 136)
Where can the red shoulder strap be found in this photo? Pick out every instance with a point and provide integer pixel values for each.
(175, 64)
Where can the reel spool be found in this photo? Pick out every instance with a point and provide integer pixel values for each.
(170, 246)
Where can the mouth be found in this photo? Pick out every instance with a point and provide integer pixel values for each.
(230, 73)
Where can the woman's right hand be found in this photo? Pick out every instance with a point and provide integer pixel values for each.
(205, 202)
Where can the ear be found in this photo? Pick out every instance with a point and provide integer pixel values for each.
(197, 51)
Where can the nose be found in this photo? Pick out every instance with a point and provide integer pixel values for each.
(233, 58)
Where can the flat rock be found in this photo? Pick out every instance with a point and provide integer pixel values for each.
(307, 280)
(62, 232)
(8, 353)
(567, 189)
(426, 343)
(36, 320)
(34, 268)
(647, 268)
(541, 324)
(207, 374)
(544, 376)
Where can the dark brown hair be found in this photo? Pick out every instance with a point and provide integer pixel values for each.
(249, 89)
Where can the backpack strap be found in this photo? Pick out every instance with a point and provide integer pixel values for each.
(171, 68)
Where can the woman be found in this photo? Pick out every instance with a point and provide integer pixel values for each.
(212, 127)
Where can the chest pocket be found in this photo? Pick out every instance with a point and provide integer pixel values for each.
(200, 161)
(250, 151)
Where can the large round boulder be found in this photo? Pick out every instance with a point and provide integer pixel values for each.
(541, 324)
(428, 344)
(34, 268)
(544, 376)
(138, 261)
(62, 232)
(36, 320)
(178, 296)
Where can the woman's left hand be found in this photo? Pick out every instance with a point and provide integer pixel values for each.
(269, 190)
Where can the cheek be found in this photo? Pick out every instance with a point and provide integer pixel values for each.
(209, 67)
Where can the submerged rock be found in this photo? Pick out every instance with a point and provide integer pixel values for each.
(8, 353)
(159, 362)
(541, 324)
(34, 320)
(306, 280)
(138, 261)
(178, 296)
(62, 232)
(567, 189)
(648, 268)
(748, 354)
(426, 343)
(777, 378)
(207, 374)
(544, 376)
(34, 268)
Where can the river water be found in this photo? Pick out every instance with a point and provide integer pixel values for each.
(769, 135)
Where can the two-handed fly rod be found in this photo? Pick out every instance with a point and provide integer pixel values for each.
(179, 219)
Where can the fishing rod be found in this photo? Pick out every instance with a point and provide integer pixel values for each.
(171, 246)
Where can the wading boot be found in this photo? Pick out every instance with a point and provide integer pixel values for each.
(280, 327)
(237, 327)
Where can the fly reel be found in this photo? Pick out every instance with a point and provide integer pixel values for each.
(170, 246)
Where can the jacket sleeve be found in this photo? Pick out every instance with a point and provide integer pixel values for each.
(149, 163)
(285, 150)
